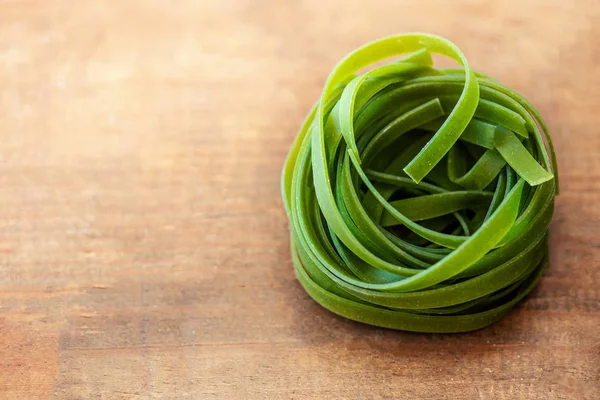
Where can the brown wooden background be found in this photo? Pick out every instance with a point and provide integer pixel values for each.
(143, 244)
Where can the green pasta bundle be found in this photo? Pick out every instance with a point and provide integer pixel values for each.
(419, 198)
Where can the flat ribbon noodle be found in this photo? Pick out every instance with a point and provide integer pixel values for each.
(419, 198)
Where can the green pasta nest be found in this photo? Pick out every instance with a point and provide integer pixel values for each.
(419, 198)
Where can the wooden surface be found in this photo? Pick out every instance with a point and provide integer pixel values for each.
(144, 247)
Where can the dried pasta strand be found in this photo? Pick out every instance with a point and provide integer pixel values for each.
(419, 198)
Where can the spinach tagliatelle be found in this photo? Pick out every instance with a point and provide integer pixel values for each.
(419, 198)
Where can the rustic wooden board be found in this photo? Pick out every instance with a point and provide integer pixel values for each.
(144, 248)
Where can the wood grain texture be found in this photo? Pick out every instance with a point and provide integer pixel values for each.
(144, 247)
